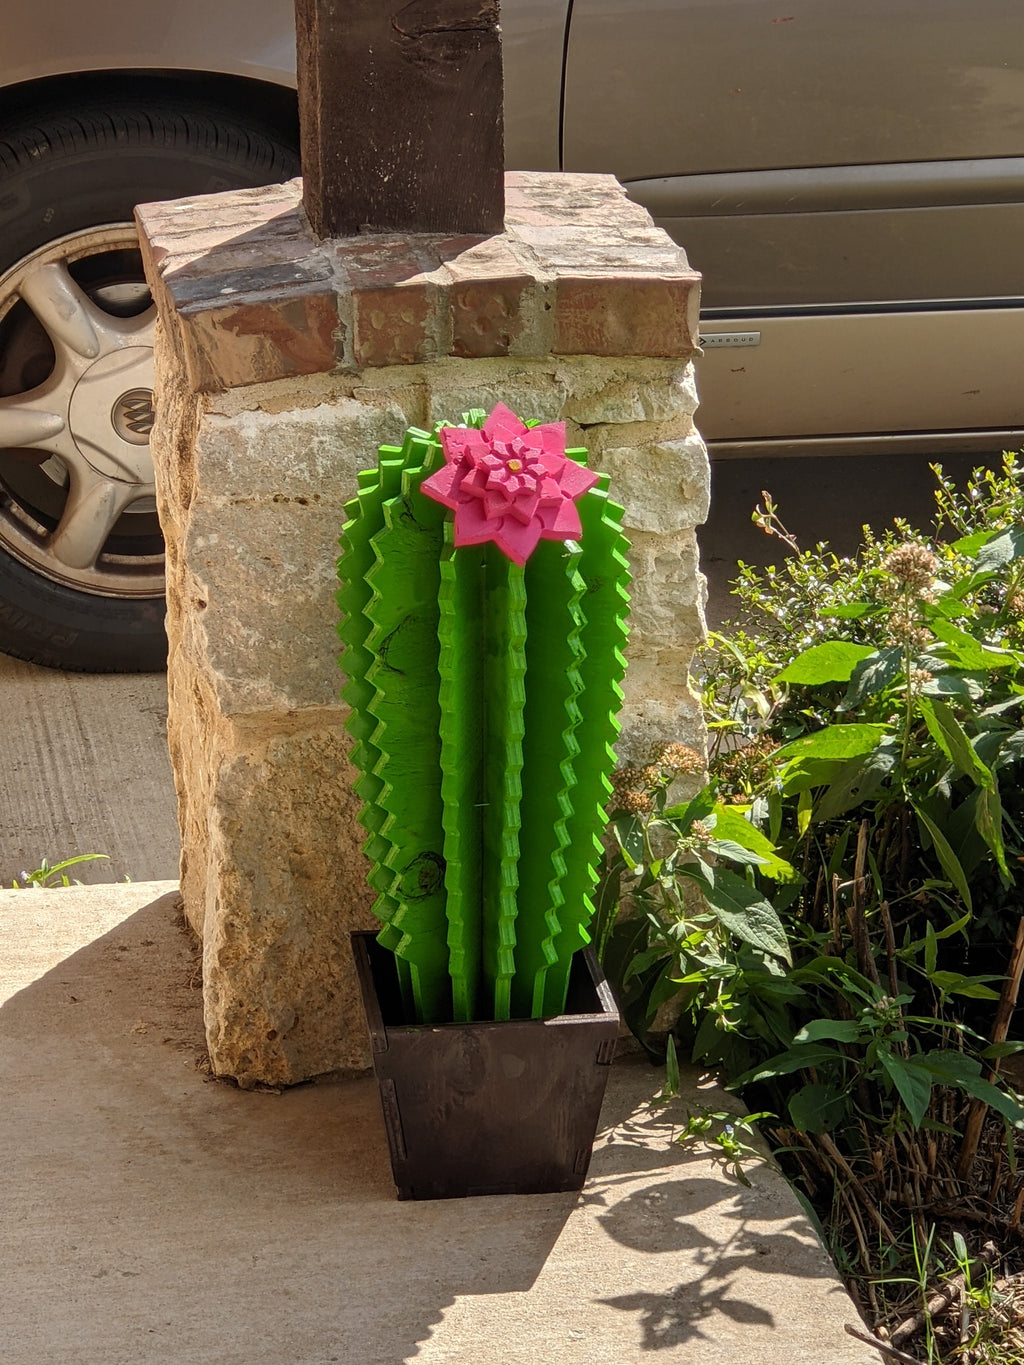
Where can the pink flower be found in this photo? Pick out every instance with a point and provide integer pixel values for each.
(509, 483)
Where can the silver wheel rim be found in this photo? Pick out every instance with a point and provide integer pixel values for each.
(77, 501)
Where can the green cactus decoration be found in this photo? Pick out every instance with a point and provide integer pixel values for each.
(484, 660)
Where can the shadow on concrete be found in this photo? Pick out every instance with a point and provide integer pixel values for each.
(151, 1212)
(726, 1234)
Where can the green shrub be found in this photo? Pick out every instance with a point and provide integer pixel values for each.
(866, 767)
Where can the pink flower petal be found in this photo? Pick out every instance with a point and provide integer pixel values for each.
(524, 508)
(472, 527)
(549, 437)
(474, 484)
(502, 424)
(518, 541)
(551, 463)
(566, 525)
(575, 480)
(441, 486)
(459, 441)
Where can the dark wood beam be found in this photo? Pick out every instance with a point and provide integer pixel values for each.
(400, 106)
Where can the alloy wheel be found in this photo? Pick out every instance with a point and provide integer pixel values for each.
(77, 500)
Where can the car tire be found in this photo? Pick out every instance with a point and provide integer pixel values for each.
(81, 557)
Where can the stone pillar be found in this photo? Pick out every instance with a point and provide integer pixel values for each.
(283, 362)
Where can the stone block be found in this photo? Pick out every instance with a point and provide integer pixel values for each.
(284, 890)
(664, 486)
(568, 200)
(263, 610)
(224, 216)
(667, 592)
(386, 277)
(528, 387)
(192, 719)
(601, 250)
(309, 455)
(490, 298)
(616, 392)
(393, 326)
(648, 721)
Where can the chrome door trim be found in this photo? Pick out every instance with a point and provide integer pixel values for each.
(832, 189)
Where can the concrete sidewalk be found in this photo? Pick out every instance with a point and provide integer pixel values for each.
(151, 1214)
(84, 769)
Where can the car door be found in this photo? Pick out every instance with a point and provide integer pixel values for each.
(849, 177)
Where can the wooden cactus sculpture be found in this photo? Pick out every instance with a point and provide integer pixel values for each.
(484, 659)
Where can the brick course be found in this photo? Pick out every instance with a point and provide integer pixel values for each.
(579, 269)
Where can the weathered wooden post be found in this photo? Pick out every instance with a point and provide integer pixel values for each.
(400, 107)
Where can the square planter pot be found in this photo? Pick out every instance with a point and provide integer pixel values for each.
(489, 1108)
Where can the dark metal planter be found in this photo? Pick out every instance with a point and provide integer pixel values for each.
(489, 1108)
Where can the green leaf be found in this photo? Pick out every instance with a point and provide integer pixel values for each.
(630, 835)
(815, 1108)
(999, 707)
(970, 545)
(988, 820)
(1001, 550)
(952, 684)
(698, 808)
(953, 983)
(832, 661)
(950, 605)
(1011, 750)
(736, 853)
(914, 1084)
(773, 803)
(834, 742)
(948, 1065)
(837, 1030)
(804, 807)
(995, 1050)
(858, 781)
(931, 949)
(732, 824)
(809, 775)
(742, 910)
(850, 611)
(947, 932)
(645, 960)
(951, 738)
(967, 651)
(708, 1039)
(948, 860)
(955, 1068)
(671, 1067)
(872, 675)
(785, 1063)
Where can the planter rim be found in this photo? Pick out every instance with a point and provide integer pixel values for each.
(379, 1030)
